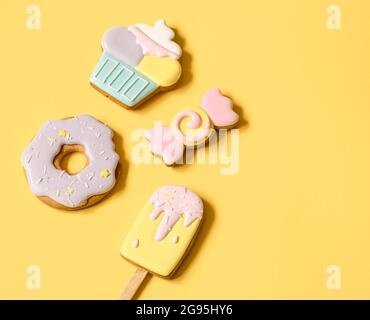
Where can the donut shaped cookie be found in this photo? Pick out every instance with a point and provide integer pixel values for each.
(54, 186)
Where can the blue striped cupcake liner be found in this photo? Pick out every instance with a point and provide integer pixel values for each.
(121, 81)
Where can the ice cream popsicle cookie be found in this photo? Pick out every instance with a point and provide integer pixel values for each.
(162, 234)
(137, 62)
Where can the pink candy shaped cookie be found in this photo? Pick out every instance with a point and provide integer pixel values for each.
(166, 142)
(192, 127)
(219, 109)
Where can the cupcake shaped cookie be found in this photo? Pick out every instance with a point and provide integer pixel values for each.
(137, 62)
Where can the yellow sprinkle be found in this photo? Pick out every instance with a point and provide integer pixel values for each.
(58, 193)
(167, 200)
(52, 140)
(105, 173)
(70, 191)
(62, 133)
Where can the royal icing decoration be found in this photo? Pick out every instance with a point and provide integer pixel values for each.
(166, 143)
(164, 230)
(219, 109)
(164, 71)
(156, 40)
(174, 201)
(136, 62)
(192, 126)
(121, 43)
(135, 243)
(71, 190)
(105, 173)
(175, 239)
(62, 133)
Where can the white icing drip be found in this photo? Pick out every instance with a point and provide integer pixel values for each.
(174, 201)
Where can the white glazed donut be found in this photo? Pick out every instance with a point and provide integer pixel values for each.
(64, 190)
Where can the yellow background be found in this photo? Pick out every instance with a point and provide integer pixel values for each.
(300, 201)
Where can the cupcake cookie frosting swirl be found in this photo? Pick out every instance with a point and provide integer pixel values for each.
(156, 40)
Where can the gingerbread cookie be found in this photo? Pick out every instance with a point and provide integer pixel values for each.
(137, 62)
(57, 138)
(192, 126)
(163, 233)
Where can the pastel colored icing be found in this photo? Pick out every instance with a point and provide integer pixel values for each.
(121, 81)
(174, 201)
(71, 191)
(121, 43)
(194, 125)
(162, 257)
(163, 71)
(219, 108)
(156, 40)
(167, 143)
(136, 62)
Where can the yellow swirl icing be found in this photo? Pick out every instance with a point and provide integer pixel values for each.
(193, 136)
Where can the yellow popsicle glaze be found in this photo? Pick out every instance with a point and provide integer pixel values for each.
(163, 71)
(158, 257)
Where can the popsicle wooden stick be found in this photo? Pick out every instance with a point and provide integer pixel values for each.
(134, 284)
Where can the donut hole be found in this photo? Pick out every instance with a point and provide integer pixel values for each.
(71, 158)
